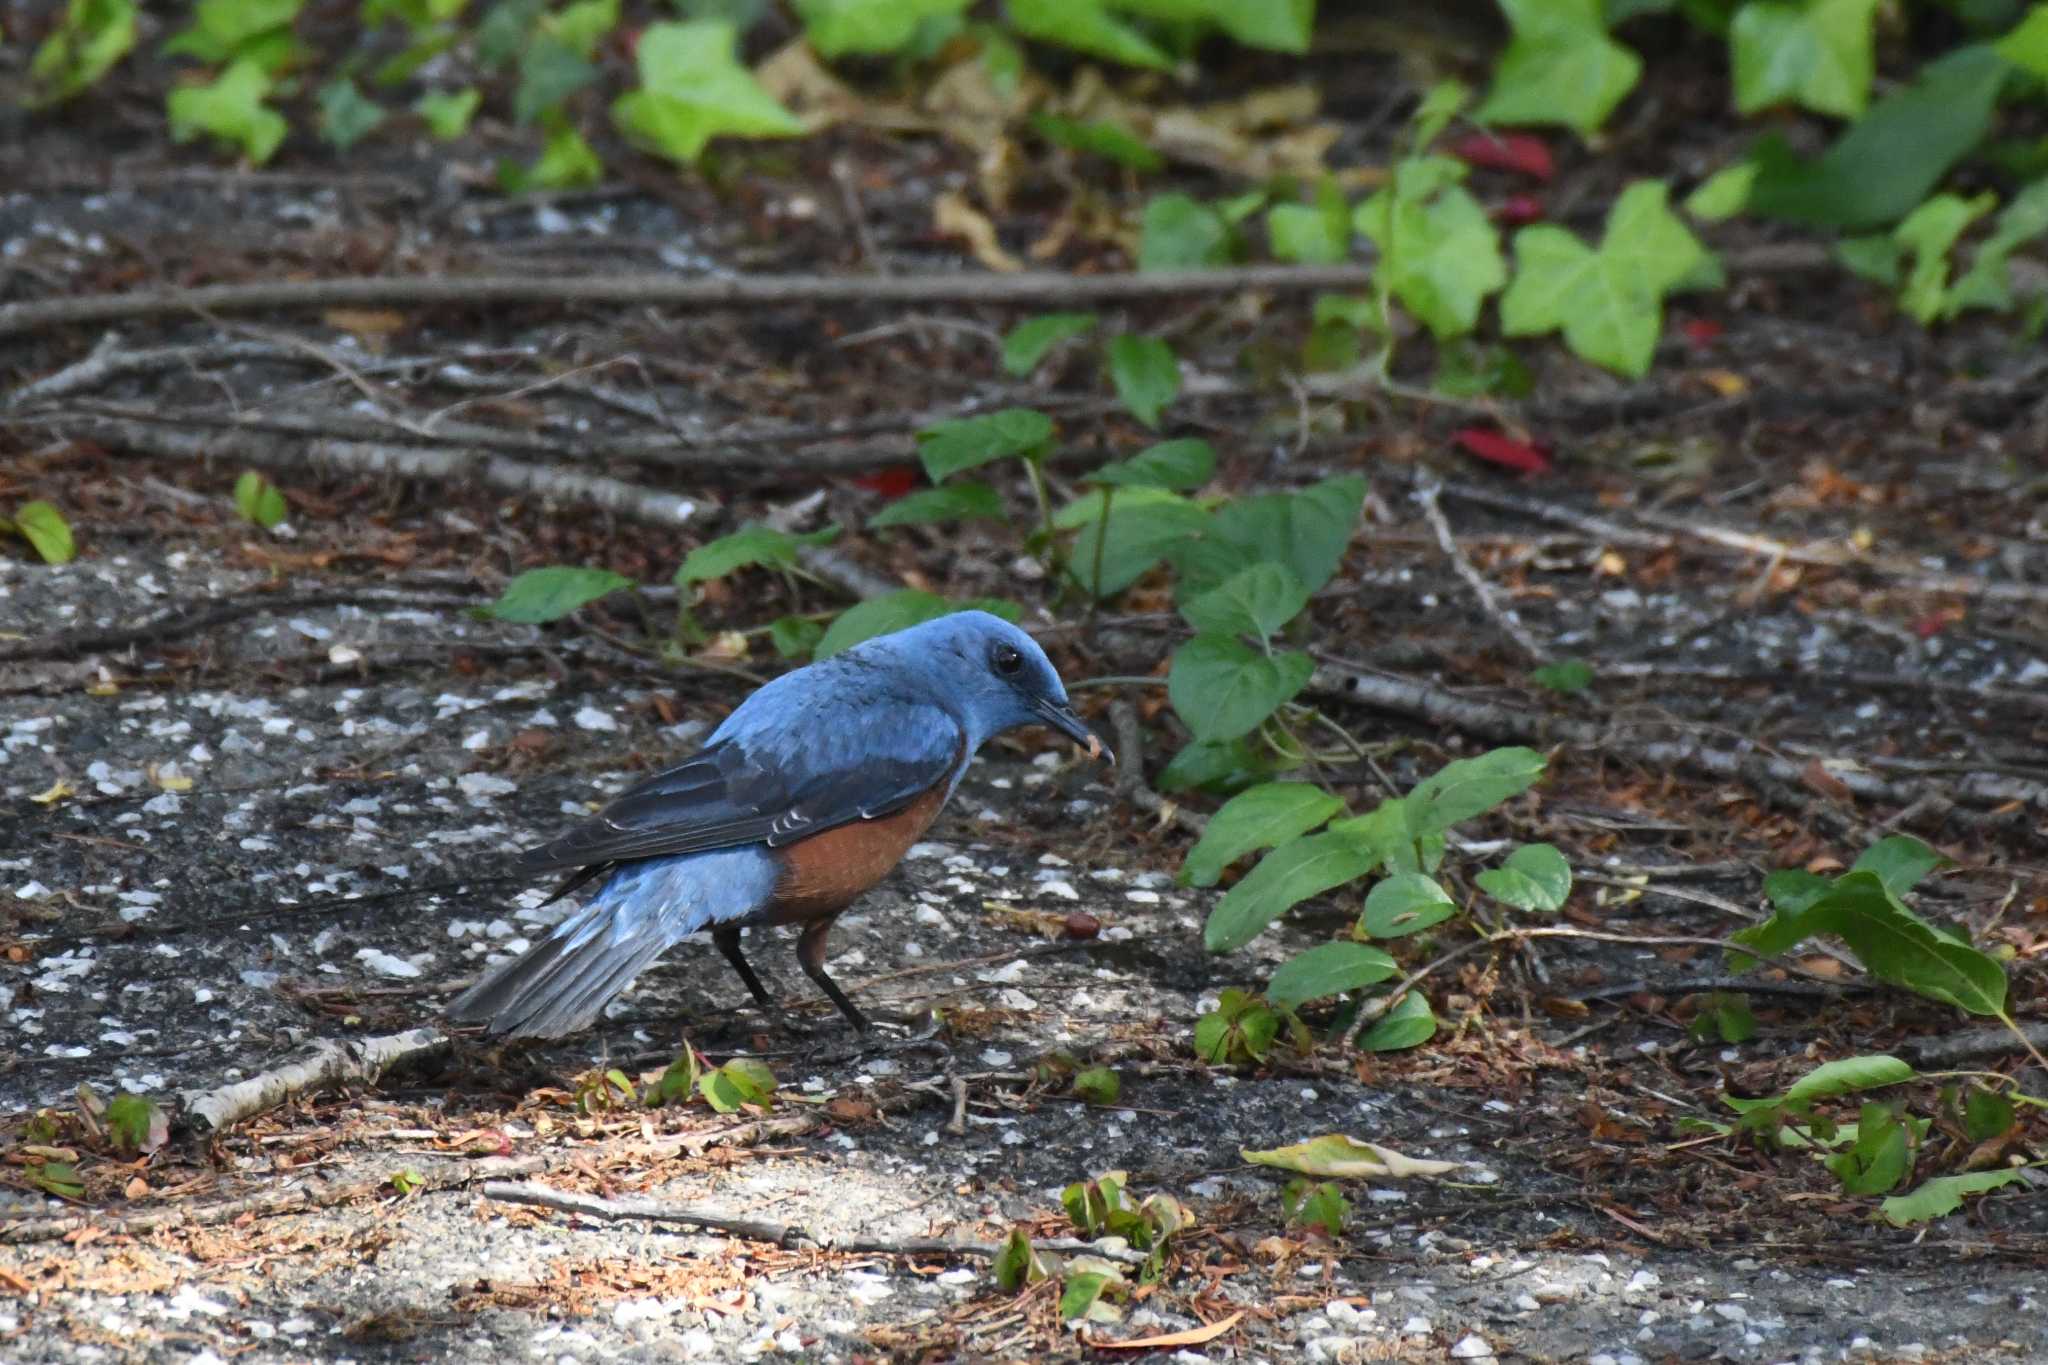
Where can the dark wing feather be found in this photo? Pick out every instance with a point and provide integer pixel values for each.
(725, 796)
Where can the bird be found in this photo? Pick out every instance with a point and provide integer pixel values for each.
(804, 798)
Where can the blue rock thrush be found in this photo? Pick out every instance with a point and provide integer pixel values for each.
(801, 801)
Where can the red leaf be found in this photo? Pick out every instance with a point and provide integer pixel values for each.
(1927, 627)
(891, 481)
(1495, 448)
(1518, 210)
(1701, 332)
(1521, 153)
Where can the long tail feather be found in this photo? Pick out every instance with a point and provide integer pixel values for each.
(564, 982)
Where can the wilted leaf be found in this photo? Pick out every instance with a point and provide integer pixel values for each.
(1346, 1158)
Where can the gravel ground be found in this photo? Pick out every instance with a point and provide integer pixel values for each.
(243, 868)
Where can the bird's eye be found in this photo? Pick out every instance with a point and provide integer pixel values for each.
(1006, 660)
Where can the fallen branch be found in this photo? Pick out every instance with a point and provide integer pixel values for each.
(1975, 1044)
(1501, 724)
(675, 292)
(396, 459)
(327, 1063)
(780, 1234)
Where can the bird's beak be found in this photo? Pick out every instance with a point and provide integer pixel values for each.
(1060, 716)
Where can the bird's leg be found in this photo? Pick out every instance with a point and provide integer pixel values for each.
(727, 937)
(810, 951)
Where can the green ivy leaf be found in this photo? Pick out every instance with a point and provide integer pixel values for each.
(85, 45)
(1218, 767)
(1535, 877)
(1277, 25)
(1186, 463)
(879, 616)
(346, 117)
(1929, 233)
(1180, 233)
(231, 108)
(1892, 943)
(1899, 861)
(1405, 903)
(1085, 26)
(1318, 234)
(224, 31)
(1987, 283)
(1146, 375)
(678, 1080)
(137, 1124)
(1254, 601)
(693, 89)
(550, 71)
(752, 545)
(46, 530)
(1560, 68)
(1315, 1204)
(794, 637)
(967, 500)
(1439, 252)
(1107, 140)
(1016, 1265)
(950, 447)
(1081, 1294)
(741, 1081)
(1460, 790)
(1409, 1024)
(1944, 1194)
(2026, 46)
(1284, 878)
(1032, 340)
(1222, 688)
(1566, 675)
(447, 113)
(1329, 969)
(1818, 53)
(1307, 531)
(837, 27)
(582, 26)
(1610, 302)
(565, 162)
(259, 501)
(1879, 1158)
(1723, 194)
(1098, 1085)
(1259, 817)
(549, 594)
(1987, 1115)
(1889, 159)
(1143, 524)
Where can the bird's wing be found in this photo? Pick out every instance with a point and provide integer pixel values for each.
(772, 787)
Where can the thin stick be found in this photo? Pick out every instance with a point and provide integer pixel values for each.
(780, 1234)
(1427, 496)
(675, 292)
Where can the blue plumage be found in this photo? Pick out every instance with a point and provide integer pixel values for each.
(804, 797)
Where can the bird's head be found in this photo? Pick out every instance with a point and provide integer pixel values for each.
(987, 673)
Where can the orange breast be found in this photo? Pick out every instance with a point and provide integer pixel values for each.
(825, 873)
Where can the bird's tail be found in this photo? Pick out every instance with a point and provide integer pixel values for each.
(560, 984)
(563, 982)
